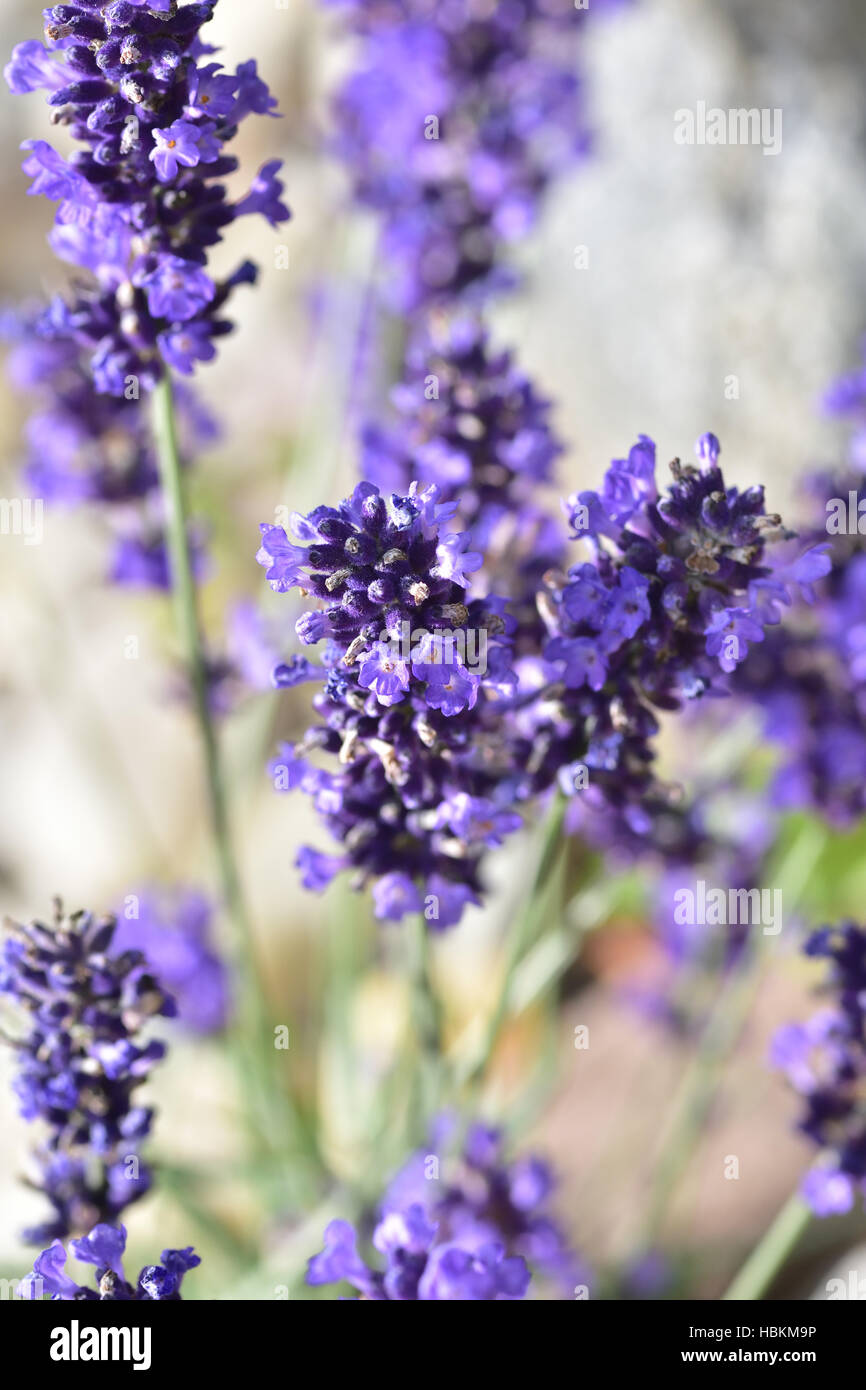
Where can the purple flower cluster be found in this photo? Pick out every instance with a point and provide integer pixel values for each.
(83, 447)
(81, 1062)
(104, 1248)
(474, 1234)
(824, 1059)
(677, 590)
(810, 678)
(413, 669)
(173, 930)
(451, 124)
(435, 757)
(467, 419)
(141, 202)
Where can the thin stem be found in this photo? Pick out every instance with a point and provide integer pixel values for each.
(185, 600)
(552, 845)
(427, 1023)
(768, 1256)
(253, 1043)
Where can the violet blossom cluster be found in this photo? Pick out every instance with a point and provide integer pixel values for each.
(435, 759)
(810, 678)
(173, 930)
(412, 672)
(104, 1247)
(451, 124)
(142, 200)
(678, 587)
(80, 1064)
(466, 418)
(141, 203)
(83, 447)
(824, 1059)
(477, 1231)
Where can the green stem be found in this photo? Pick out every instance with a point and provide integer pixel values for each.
(768, 1256)
(251, 1035)
(427, 1022)
(520, 941)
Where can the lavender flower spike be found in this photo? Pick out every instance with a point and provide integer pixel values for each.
(824, 1059)
(173, 929)
(143, 200)
(413, 668)
(104, 1248)
(468, 1227)
(80, 1064)
(452, 124)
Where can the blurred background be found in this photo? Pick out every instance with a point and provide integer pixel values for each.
(702, 264)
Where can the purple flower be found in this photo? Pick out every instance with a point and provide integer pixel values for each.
(211, 92)
(628, 608)
(177, 145)
(454, 562)
(173, 929)
(266, 195)
(474, 1233)
(79, 1067)
(253, 93)
(381, 671)
(104, 1248)
(177, 290)
(825, 1060)
(32, 68)
(449, 687)
(184, 346)
(317, 869)
(282, 560)
(54, 179)
(144, 191)
(828, 1192)
(808, 675)
(584, 662)
(729, 632)
(477, 820)
(417, 1267)
(340, 1261)
(395, 896)
(452, 123)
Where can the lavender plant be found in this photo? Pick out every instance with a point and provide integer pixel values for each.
(81, 1063)
(173, 929)
(437, 758)
(479, 666)
(824, 1061)
(452, 123)
(477, 1239)
(104, 1247)
(142, 202)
